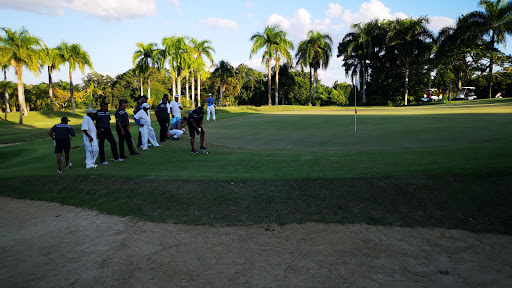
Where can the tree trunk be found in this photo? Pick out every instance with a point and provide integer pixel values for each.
(21, 93)
(7, 108)
(269, 82)
(406, 85)
(179, 85)
(199, 89)
(490, 74)
(220, 87)
(149, 87)
(310, 86)
(193, 90)
(71, 91)
(141, 87)
(50, 87)
(315, 80)
(277, 85)
(363, 85)
(450, 92)
(186, 86)
(173, 76)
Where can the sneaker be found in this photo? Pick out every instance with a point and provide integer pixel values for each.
(146, 149)
(193, 151)
(124, 157)
(59, 171)
(104, 163)
(118, 160)
(92, 166)
(204, 148)
(68, 166)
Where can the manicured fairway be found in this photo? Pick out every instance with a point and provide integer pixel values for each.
(295, 164)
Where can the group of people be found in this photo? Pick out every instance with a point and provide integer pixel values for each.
(168, 115)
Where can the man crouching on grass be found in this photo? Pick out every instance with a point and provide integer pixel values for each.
(195, 125)
(62, 133)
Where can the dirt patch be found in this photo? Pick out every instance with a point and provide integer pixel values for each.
(49, 245)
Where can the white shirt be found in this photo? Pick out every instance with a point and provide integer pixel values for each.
(143, 117)
(176, 108)
(88, 125)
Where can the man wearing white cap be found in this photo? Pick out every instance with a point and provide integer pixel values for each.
(143, 119)
(90, 140)
(176, 108)
(211, 107)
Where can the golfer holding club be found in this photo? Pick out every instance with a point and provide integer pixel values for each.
(90, 139)
(144, 121)
(63, 132)
(195, 125)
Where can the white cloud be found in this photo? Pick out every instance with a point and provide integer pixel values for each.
(250, 5)
(438, 22)
(334, 10)
(112, 9)
(374, 9)
(219, 23)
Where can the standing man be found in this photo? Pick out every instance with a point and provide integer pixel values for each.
(62, 142)
(104, 132)
(162, 115)
(123, 129)
(195, 125)
(144, 121)
(211, 107)
(176, 108)
(142, 100)
(90, 140)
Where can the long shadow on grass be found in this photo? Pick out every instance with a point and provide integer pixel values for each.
(474, 203)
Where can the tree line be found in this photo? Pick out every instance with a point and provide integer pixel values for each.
(389, 62)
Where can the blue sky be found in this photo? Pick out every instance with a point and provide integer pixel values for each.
(109, 29)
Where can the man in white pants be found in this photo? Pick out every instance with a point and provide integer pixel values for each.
(177, 128)
(90, 139)
(147, 132)
(211, 107)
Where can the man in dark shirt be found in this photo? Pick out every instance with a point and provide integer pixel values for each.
(62, 141)
(195, 125)
(162, 115)
(123, 129)
(104, 132)
(142, 100)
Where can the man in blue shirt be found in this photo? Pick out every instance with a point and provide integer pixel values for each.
(63, 132)
(211, 107)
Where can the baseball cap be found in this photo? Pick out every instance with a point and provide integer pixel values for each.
(90, 110)
(64, 119)
(145, 105)
(209, 94)
(103, 103)
(176, 95)
(122, 101)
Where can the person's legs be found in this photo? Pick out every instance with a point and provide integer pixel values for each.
(67, 158)
(202, 139)
(152, 136)
(101, 146)
(121, 138)
(113, 144)
(163, 129)
(208, 113)
(59, 161)
(139, 142)
(176, 133)
(213, 113)
(144, 136)
(128, 139)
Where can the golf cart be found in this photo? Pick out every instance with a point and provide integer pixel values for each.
(430, 96)
(466, 93)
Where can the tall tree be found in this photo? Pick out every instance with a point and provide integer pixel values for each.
(495, 23)
(144, 58)
(223, 71)
(268, 40)
(201, 49)
(53, 59)
(75, 56)
(6, 66)
(167, 53)
(410, 39)
(282, 52)
(317, 48)
(20, 49)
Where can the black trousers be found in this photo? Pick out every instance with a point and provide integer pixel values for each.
(127, 137)
(107, 134)
(164, 127)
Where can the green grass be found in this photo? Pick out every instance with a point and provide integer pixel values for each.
(431, 165)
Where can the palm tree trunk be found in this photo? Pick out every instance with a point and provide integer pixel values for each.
(310, 86)
(179, 85)
(186, 86)
(193, 88)
(363, 86)
(173, 76)
(149, 87)
(277, 84)
(406, 85)
(50, 87)
(7, 108)
(220, 87)
(21, 95)
(141, 87)
(315, 80)
(490, 74)
(269, 82)
(71, 91)
(199, 88)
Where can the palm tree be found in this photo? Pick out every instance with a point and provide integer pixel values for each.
(6, 66)
(53, 59)
(495, 22)
(143, 59)
(200, 49)
(410, 39)
(316, 50)
(223, 71)
(269, 39)
(75, 56)
(20, 49)
(168, 53)
(357, 48)
(282, 51)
